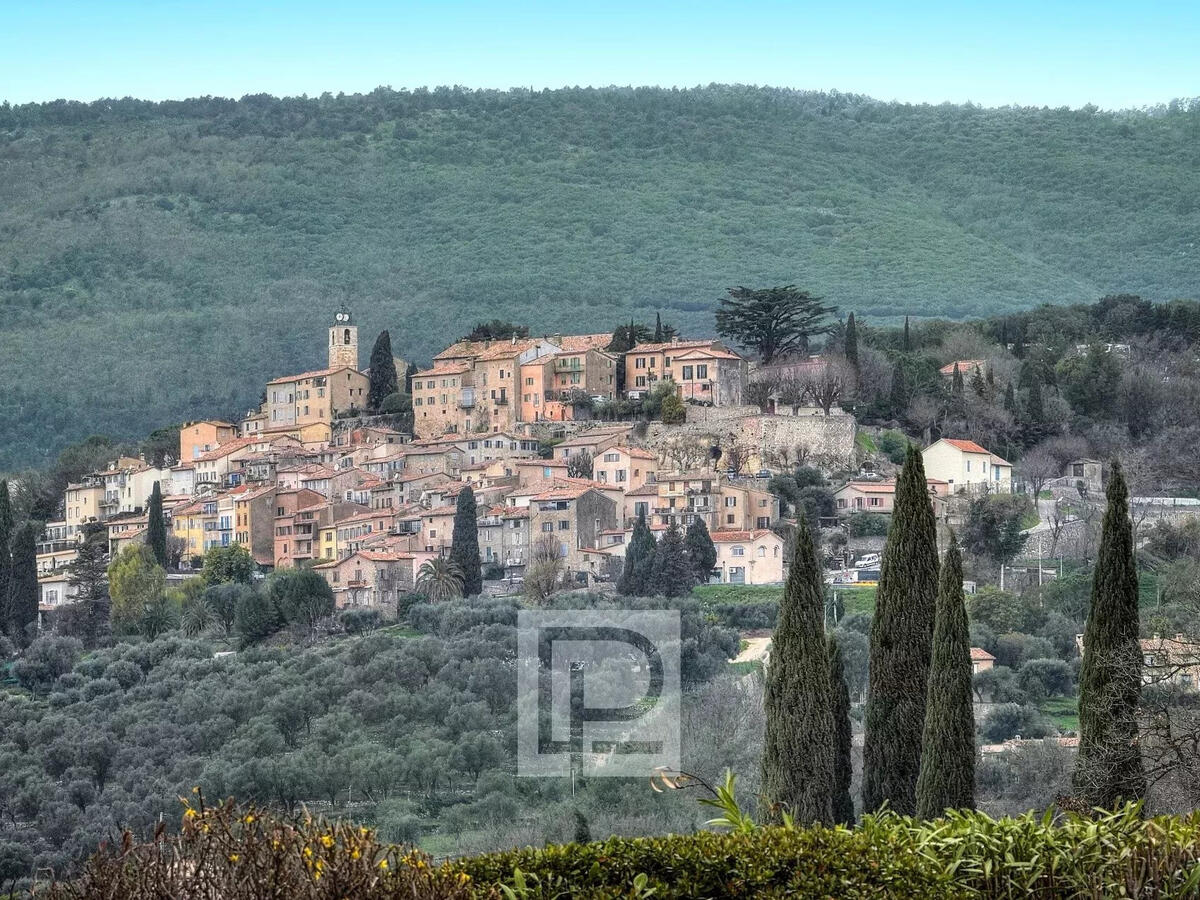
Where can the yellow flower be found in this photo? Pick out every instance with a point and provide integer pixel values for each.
(189, 813)
(308, 851)
(326, 841)
(233, 857)
(248, 819)
(355, 854)
(383, 864)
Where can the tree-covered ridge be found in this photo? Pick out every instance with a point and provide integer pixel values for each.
(202, 243)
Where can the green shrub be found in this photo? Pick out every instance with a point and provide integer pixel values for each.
(864, 524)
(769, 862)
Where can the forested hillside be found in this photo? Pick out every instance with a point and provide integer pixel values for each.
(160, 261)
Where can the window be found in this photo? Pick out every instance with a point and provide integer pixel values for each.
(652, 362)
(687, 373)
(737, 551)
(612, 457)
(529, 382)
(641, 381)
(701, 372)
(620, 475)
(968, 465)
(731, 519)
(640, 363)
(547, 527)
(730, 502)
(762, 552)
(564, 525)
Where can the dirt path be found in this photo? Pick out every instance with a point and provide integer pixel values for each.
(756, 649)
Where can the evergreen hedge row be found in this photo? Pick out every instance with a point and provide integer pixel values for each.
(233, 852)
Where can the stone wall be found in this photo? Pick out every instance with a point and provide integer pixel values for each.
(776, 442)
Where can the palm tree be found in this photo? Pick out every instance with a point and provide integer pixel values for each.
(197, 616)
(440, 579)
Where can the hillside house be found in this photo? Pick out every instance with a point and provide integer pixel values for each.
(967, 467)
(748, 557)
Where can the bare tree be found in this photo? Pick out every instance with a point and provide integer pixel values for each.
(759, 391)
(735, 458)
(791, 392)
(580, 465)
(829, 383)
(545, 569)
(1037, 467)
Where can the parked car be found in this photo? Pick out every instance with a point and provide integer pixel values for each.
(871, 560)
(764, 473)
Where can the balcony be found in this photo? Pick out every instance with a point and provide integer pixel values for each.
(466, 400)
(502, 400)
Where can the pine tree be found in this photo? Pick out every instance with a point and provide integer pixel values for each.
(639, 559)
(156, 530)
(1010, 399)
(658, 329)
(843, 766)
(956, 382)
(947, 779)
(850, 346)
(702, 552)
(901, 639)
(798, 750)
(1109, 770)
(6, 537)
(464, 543)
(88, 575)
(383, 379)
(907, 337)
(671, 574)
(23, 587)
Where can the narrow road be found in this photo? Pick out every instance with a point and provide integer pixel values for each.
(756, 649)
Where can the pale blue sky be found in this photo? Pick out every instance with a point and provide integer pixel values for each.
(1113, 54)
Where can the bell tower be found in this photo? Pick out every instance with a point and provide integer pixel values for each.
(343, 340)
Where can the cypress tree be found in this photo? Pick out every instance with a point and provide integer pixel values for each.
(843, 767)
(977, 384)
(907, 337)
(383, 379)
(956, 382)
(1010, 399)
(1036, 410)
(639, 559)
(156, 530)
(1109, 768)
(899, 395)
(409, 371)
(464, 542)
(23, 589)
(671, 573)
(658, 329)
(6, 527)
(798, 752)
(702, 552)
(851, 343)
(901, 639)
(947, 779)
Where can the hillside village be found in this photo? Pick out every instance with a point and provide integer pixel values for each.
(309, 478)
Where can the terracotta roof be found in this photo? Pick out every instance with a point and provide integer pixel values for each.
(671, 345)
(705, 352)
(998, 461)
(967, 446)
(460, 349)
(314, 374)
(505, 349)
(446, 369)
(636, 452)
(965, 366)
(871, 487)
(577, 343)
(650, 489)
(978, 654)
(225, 449)
(562, 491)
(730, 537)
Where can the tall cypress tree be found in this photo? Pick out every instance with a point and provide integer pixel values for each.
(6, 535)
(639, 560)
(156, 530)
(702, 552)
(843, 767)
(798, 752)
(671, 574)
(23, 589)
(464, 542)
(409, 371)
(1010, 399)
(956, 382)
(947, 779)
(1035, 411)
(383, 379)
(901, 639)
(850, 347)
(658, 329)
(907, 337)
(1109, 770)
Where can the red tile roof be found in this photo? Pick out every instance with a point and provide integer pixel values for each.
(966, 446)
(576, 343)
(965, 366)
(731, 537)
(978, 654)
(304, 375)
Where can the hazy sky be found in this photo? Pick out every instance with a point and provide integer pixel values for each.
(1113, 54)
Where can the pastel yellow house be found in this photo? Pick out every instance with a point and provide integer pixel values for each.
(967, 467)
